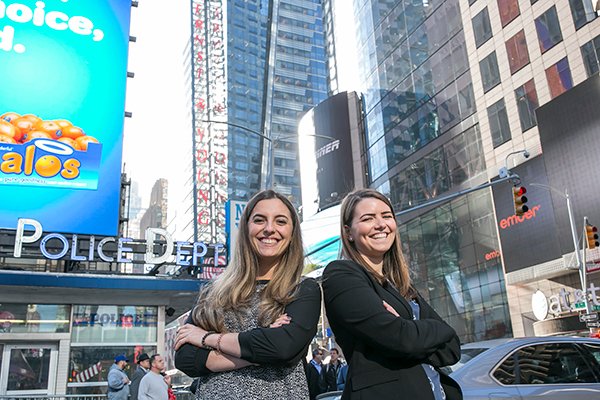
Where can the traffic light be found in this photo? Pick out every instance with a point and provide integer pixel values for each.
(520, 200)
(592, 236)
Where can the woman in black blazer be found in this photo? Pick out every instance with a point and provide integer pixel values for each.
(394, 341)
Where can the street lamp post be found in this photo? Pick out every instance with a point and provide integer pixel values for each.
(271, 165)
(580, 262)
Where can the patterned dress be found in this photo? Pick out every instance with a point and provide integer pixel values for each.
(253, 382)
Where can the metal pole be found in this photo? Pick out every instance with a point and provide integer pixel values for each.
(580, 263)
(583, 271)
(443, 199)
(573, 231)
(271, 164)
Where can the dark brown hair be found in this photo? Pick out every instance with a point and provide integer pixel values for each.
(394, 265)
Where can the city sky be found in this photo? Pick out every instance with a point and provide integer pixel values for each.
(157, 137)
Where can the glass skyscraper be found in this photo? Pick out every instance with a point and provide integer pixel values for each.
(256, 66)
(422, 140)
(299, 84)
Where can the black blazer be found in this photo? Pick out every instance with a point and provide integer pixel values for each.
(385, 352)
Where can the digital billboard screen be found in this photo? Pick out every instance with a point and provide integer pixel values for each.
(327, 161)
(569, 129)
(62, 102)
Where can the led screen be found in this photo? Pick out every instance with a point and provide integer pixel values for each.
(63, 65)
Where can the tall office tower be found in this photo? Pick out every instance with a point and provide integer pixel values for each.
(256, 67)
(331, 64)
(422, 140)
(299, 85)
(155, 215)
(450, 92)
(525, 55)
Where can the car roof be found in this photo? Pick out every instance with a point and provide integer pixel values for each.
(514, 342)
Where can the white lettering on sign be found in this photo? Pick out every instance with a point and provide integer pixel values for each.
(328, 148)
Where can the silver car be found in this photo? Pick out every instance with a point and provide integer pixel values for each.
(529, 368)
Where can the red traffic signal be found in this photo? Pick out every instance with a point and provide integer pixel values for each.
(519, 200)
(592, 237)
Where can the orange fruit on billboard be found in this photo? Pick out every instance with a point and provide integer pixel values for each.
(24, 125)
(63, 123)
(36, 135)
(33, 118)
(7, 139)
(9, 130)
(72, 132)
(48, 166)
(84, 140)
(70, 142)
(50, 127)
(9, 116)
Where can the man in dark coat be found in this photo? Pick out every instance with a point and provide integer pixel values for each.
(332, 370)
(315, 375)
(143, 368)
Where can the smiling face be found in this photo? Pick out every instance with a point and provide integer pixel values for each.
(270, 229)
(373, 230)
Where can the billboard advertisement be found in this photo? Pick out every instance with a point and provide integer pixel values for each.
(328, 165)
(62, 103)
(569, 130)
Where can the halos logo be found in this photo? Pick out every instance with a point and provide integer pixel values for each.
(43, 162)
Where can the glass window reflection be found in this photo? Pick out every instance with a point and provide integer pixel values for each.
(46, 318)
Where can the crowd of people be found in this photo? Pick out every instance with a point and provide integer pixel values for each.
(250, 329)
(148, 381)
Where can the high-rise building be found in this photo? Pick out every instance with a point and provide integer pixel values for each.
(450, 89)
(256, 67)
(155, 215)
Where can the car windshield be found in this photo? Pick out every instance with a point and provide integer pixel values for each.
(466, 355)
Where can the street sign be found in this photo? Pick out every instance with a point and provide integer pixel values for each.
(588, 317)
(593, 324)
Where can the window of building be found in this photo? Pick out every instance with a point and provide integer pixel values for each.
(516, 47)
(499, 123)
(509, 10)
(42, 318)
(114, 324)
(582, 11)
(472, 1)
(533, 2)
(548, 29)
(527, 102)
(590, 52)
(559, 78)
(490, 74)
(482, 27)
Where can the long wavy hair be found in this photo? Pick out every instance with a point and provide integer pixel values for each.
(233, 290)
(394, 265)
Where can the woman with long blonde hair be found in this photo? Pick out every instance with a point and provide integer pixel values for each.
(250, 327)
(394, 342)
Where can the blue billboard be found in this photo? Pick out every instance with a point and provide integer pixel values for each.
(63, 65)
